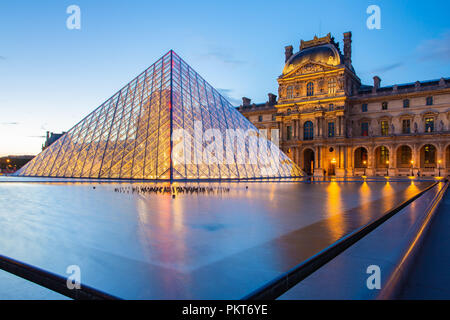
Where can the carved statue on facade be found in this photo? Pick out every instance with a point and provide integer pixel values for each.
(392, 129)
(441, 126)
(415, 127)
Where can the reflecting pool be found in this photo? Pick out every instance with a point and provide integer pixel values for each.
(217, 244)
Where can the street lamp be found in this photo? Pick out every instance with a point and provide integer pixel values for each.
(387, 168)
(364, 163)
(412, 167)
(439, 167)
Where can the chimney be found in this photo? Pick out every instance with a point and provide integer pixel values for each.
(272, 99)
(348, 49)
(417, 84)
(48, 135)
(376, 83)
(288, 51)
(246, 101)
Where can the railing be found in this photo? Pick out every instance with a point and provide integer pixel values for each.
(51, 281)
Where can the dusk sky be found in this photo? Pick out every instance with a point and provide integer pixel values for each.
(51, 77)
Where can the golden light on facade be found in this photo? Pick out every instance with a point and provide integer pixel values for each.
(333, 161)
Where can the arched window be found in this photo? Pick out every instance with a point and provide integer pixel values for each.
(310, 89)
(289, 92)
(308, 131)
(404, 157)
(361, 158)
(332, 86)
(429, 155)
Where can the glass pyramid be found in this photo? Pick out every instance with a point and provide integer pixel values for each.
(166, 124)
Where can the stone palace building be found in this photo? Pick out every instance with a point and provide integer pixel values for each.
(331, 124)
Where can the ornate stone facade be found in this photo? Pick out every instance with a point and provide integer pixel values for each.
(331, 124)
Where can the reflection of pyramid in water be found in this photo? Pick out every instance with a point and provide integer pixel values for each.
(129, 136)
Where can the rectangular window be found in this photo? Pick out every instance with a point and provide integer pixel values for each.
(289, 132)
(364, 107)
(384, 128)
(274, 117)
(429, 101)
(365, 129)
(384, 106)
(290, 92)
(406, 126)
(260, 118)
(429, 124)
(406, 103)
(331, 129)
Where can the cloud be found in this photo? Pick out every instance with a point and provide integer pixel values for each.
(227, 94)
(435, 49)
(2, 58)
(223, 55)
(9, 123)
(388, 67)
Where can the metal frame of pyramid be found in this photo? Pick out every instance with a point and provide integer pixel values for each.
(130, 135)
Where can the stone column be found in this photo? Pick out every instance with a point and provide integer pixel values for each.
(318, 170)
(300, 130)
(416, 158)
(371, 161)
(340, 168)
(392, 161)
(295, 129)
(280, 128)
(316, 127)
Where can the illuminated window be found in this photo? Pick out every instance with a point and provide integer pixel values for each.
(384, 128)
(332, 86)
(310, 89)
(308, 130)
(429, 124)
(290, 92)
(429, 154)
(384, 155)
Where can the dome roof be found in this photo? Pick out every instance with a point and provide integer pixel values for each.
(325, 54)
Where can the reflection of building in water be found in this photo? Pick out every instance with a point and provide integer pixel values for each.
(330, 123)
